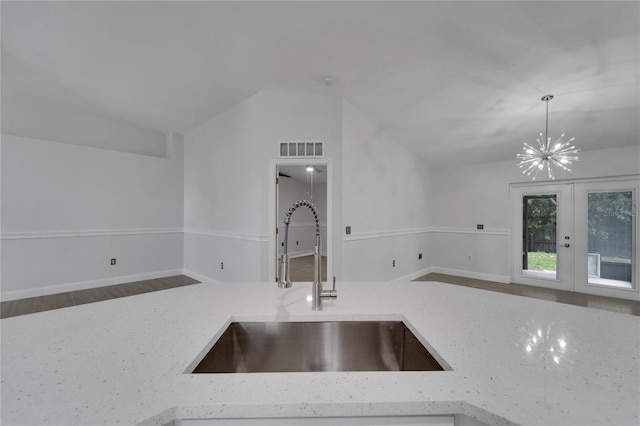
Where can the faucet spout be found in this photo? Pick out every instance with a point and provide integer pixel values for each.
(317, 294)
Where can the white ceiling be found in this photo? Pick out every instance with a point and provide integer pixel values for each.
(452, 81)
(319, 175)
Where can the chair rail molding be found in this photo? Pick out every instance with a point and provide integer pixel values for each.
(24, 235)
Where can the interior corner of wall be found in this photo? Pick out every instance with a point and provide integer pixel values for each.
(172, 142)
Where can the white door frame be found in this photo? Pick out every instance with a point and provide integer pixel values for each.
(582, 284)
(273, 220)
(564, 228)
(578, 242)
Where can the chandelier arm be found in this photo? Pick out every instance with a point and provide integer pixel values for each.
(530, 147)
(532, 161)
(559, 164)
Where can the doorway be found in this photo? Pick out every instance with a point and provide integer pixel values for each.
(539, 254)
(580, 236)
(301, 180)
(541, 236)
(607, 238)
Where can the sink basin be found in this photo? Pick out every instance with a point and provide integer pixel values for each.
(253, 347)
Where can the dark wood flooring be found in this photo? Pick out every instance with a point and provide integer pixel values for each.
(304, 272)
(578, 299)
(302, 268)
(14, 308)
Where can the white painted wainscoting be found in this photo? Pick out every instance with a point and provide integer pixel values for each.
(472, 253)
(68, 209)
(464, 252)
(304, 235)
(369, 256)
(221, 256)
(37, 264)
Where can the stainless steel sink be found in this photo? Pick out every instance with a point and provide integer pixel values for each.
(252, 347)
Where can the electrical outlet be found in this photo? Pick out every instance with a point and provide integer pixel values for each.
(221, 265)
(348, 230)
(297, 242)
(394, 263)
(113, 261)
(479, 226)
(419, 256)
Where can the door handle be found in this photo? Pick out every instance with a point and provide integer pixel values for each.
(567, 245)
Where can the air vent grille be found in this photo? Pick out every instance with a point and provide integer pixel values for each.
(301, 149)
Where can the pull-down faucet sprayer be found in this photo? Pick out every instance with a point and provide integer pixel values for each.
(317, 293)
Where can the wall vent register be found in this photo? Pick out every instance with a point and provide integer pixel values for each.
(302, 149)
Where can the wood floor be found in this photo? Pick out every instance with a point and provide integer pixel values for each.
(578, 299)
(302, 268)
(14, 308)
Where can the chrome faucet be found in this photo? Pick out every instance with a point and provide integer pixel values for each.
(317, 293)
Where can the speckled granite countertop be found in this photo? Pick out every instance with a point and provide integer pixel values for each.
(123, 361)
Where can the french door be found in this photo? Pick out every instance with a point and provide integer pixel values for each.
(542, 236)
(580, 236)
(607, 220)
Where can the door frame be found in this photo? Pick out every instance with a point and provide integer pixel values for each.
(580, 193)
(564, 228)
(578, 242)
(274, 221)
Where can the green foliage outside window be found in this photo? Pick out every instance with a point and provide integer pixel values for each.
(609, 225)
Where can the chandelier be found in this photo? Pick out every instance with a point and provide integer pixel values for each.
(546, 155)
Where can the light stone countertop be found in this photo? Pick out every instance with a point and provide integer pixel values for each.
(123, 361)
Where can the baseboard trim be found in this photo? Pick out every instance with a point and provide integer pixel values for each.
(417, 274)
(199, 277)
(506, 279)
(303, 254)
(84, 285)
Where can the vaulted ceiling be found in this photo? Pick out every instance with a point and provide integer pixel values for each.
(451, 80)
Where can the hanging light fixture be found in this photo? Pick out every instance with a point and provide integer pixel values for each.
(558, 154)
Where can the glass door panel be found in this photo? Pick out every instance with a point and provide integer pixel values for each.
(539, 258)
(609, 238)
(541, 232)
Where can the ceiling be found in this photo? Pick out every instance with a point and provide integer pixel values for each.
(300, 173)
(452, 81)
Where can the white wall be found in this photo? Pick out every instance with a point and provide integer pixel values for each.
(383, 191)
(68, 209)
(227, 183)
(386, 201)
(27, 119)
(466, 195)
